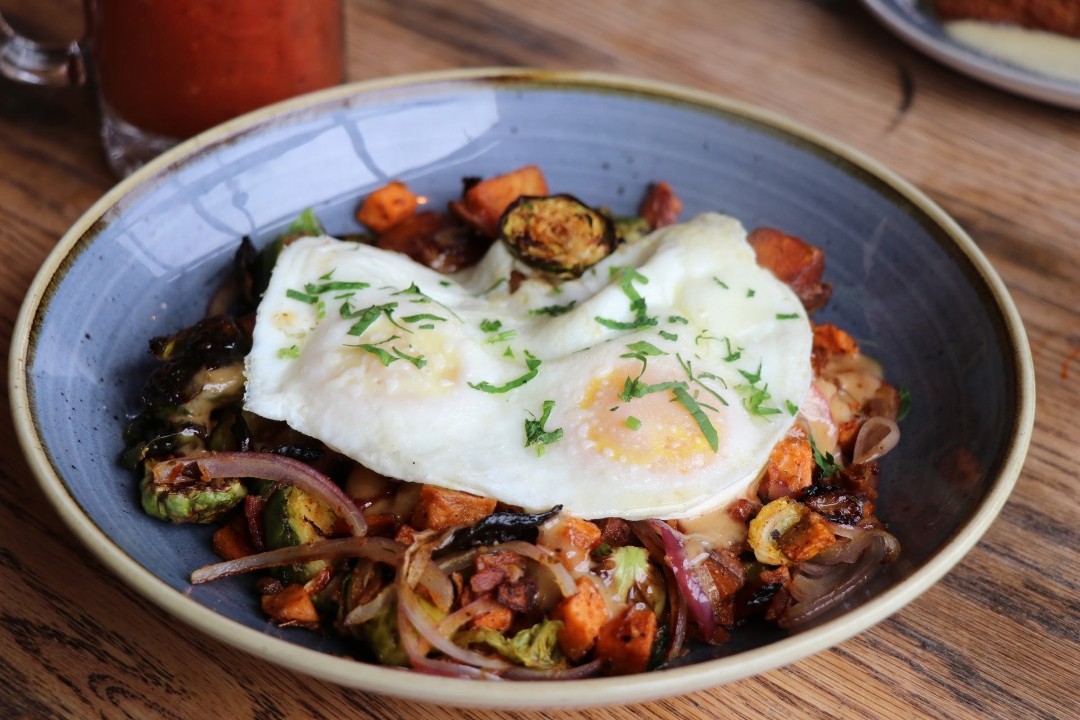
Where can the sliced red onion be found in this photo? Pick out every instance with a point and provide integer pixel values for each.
(378, 549)
(568, 673)
(877, 436)
(455, 621)
(693, 584)
(367, 611)
(271, 467)
(417, 650)
(826, 592)
(547, 559)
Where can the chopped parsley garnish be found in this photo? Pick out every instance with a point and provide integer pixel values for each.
(732, 354)
(905, 403)
(792, 408)
(825, 461)
(531, 362)
(678, 320)
(302, 297)
(535, 434)
(668, 335)
(423, 316)
(787, 316)
(495, 333)
(720, 282)
(754, 397)
(633, 423)
(393, 355)
(414, 290)
(750, 292)
(554, 310)
(704, 424)
(689, 370)
(627, 277)
(290, 353)
(334, 286)
(494, 285)
(366, 316)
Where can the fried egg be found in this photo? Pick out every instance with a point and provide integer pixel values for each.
(654, 386)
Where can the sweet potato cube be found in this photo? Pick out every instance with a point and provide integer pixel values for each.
(790, 468)
(232, 541)
(291, 606)
(807, 538)
(440, 508)
(793, 261)
(625, 643)
(386, 207)
(484, 203)
(582, 615)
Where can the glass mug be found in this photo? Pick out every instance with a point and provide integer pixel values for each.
(165, 70)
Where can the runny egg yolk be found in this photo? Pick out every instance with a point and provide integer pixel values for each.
(653, 431)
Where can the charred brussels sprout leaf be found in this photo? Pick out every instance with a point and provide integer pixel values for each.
(499, 527)
(293, 517)
(558, 234)
(191, 401)
(196, 501)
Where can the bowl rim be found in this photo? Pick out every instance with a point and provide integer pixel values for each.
(542, 694)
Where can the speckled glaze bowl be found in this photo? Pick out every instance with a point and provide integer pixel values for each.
(909, 284)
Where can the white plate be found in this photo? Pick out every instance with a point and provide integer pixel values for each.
(913, 22)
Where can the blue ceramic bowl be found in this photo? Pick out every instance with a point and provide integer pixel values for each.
(909, 284)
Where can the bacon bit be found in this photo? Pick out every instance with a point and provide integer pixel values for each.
(1068, 360)
(661, 206)
(743, 509)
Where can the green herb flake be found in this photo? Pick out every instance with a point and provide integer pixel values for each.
(422, 316)
(302, 297)
(532, 363)
(787, 316)
(792, 408)
(825, 461)
(627, 276)
(704, 424)
(290, 353)
(750, 292)
(668, 335)
(536, 434)
(720, 282)
(905, 403)
(677, 320)
(554, 310)
(334, 286)
(633, 423)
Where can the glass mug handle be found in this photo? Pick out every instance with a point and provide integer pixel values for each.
(27, 61)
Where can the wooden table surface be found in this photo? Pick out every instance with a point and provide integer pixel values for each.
(997, 637)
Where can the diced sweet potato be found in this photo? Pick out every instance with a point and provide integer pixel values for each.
(790, 468)
(291, 606)
(386, 207)
(571, 539)
(625, 643)
(807, 538)
(795, 262)
(583, 614)
(829, 341)
(484, 203)
(661, 206)
(498, 618)
(440, 508)
(232, 541)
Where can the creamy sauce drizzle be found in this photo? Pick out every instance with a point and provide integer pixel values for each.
(1036, 50)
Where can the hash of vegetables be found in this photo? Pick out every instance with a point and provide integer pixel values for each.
(454, 584)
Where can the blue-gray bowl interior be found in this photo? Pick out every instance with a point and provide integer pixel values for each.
(148, 266)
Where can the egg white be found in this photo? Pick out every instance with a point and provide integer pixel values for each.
(441, 385)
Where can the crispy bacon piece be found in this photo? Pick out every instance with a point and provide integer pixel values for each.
(661, 206)
(435, 240)
(795, 262)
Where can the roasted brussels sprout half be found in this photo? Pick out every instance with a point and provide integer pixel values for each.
(293, 517)
(197, 501)
(558, 234)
